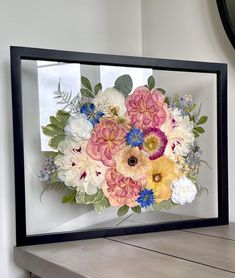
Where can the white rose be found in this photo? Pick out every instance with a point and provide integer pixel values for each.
(78, 127)
(183, 191)
(110, 98)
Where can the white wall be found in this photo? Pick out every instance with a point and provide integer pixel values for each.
(192, 30)
(105, 26)
(179, 29)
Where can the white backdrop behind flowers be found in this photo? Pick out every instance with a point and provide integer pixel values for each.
(202, 87)
(116, 167)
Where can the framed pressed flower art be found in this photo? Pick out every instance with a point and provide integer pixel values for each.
(109, 145)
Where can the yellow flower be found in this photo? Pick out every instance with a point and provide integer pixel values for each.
(160, 176)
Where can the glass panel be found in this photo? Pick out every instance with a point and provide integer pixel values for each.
(139, 167)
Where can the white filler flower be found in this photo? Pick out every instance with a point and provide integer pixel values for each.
(78, 127)
(183, 191)
(77, 169)
(110, 98)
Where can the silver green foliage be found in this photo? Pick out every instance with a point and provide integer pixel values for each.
(124, 84)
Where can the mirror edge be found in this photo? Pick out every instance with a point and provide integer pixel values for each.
(224, 15)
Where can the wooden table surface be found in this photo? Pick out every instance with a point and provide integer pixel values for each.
(202, 252)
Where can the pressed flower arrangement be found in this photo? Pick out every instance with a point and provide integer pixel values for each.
(131, 149)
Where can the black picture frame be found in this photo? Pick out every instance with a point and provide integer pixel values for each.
(225, 18)
(19, 53)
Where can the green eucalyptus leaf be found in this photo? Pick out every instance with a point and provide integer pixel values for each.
(86, 93)
(86, 83)
(151, 82)
(98, 87)
(124, 84)
(199, 129)
(69, 197)
(136, 209)
(122, 210)
(202, 120)
(161, 90)
(54, 141)
(196, 134)
(167, 100)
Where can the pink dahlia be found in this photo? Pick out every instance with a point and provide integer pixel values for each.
(155, 142)
(107, 138)
(120, 190)
(146, 108)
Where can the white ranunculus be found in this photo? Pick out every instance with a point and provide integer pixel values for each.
(77, 169)
(110, 98)
(78, 127)
(183, 191)
(179, 132)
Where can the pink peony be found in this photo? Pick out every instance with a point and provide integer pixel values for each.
(120, 190)
(146, 108)
(107, 138)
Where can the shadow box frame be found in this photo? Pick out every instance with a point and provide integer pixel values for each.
(24, 53)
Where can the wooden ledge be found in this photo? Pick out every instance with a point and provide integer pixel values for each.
(201, 252)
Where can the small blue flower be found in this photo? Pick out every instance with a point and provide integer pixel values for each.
(146, 198)
(135, 137)
(89, 110)
(44, 176)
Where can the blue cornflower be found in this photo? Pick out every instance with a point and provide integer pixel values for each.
(146, 198)
(93, 116)
(135, 137)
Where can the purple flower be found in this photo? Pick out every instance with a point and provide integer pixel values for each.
(155, 142)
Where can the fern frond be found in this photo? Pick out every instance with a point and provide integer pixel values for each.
(65, 97)
(57, 186)
(201, 190)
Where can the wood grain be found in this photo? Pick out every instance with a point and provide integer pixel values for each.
(212, 251)
(225, 232)
(103, 258)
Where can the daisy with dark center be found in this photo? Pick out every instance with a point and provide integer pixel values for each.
(155, 142)
(93, 116)
(135, 137)
(146, 198)
(132, 162)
